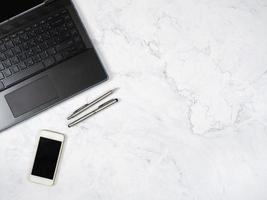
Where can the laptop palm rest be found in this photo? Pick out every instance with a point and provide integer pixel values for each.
(31, 96)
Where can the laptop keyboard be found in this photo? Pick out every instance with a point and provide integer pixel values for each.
(37, 47)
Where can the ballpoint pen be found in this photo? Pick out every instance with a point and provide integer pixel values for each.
(88, 105)
(97, 110)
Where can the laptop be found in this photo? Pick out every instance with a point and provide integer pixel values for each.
(46, 56)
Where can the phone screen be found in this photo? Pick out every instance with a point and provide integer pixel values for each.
(46, 158)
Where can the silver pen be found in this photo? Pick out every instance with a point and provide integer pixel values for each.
(88, 105)
(97, 110)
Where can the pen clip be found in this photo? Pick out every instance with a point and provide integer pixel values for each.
(81, 108)
(108, 102)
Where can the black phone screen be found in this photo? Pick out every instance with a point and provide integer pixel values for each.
(11, 8)
(46, 158)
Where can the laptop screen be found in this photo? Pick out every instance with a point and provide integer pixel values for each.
(11, 8)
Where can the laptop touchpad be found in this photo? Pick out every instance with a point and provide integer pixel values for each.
(31, 96)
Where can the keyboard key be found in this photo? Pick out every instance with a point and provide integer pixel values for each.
(49, 61)
(22, 66)
(77, 39)
(39, 30)
(32, 43)
(46, 36)
(6, 39)
(51, 51)
(6, 63)
(22, 57)
(7, 72)
(2, 48)
(31, 34)
(57, 39)
(56, 15)
(9, 53)
(16, 50)
(59, 57)
(44, 55)
(24, 36)
(62, 28)
(37, 49)
(46, 27)
(24, 46)
(2, 57)
(1, 67)
(67, 17)
(53, 32)
(17, 41)
(66, 54)
(39, 39)
(74, 32)
(64, 36)
(1, 76)
(9, 45)
(43, 46)
(29, 62)
(29, 53)
(51, 42)
(70, 24)
(63, 11)
(36, 59)
(14, 69)
(14, 60)
(57, 22)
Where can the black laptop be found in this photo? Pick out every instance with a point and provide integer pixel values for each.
(46, 56)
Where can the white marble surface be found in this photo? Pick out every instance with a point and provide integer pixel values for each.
(192, 121)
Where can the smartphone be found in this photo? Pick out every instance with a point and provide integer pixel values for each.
(47, 157)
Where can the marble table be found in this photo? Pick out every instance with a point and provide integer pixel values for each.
(192, 119)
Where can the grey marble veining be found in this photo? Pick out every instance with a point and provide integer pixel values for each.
(192, 120)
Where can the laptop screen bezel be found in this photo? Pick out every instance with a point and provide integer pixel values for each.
(24, 12)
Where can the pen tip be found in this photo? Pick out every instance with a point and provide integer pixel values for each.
(113, 90)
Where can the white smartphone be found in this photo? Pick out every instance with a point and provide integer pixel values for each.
(47, 157)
